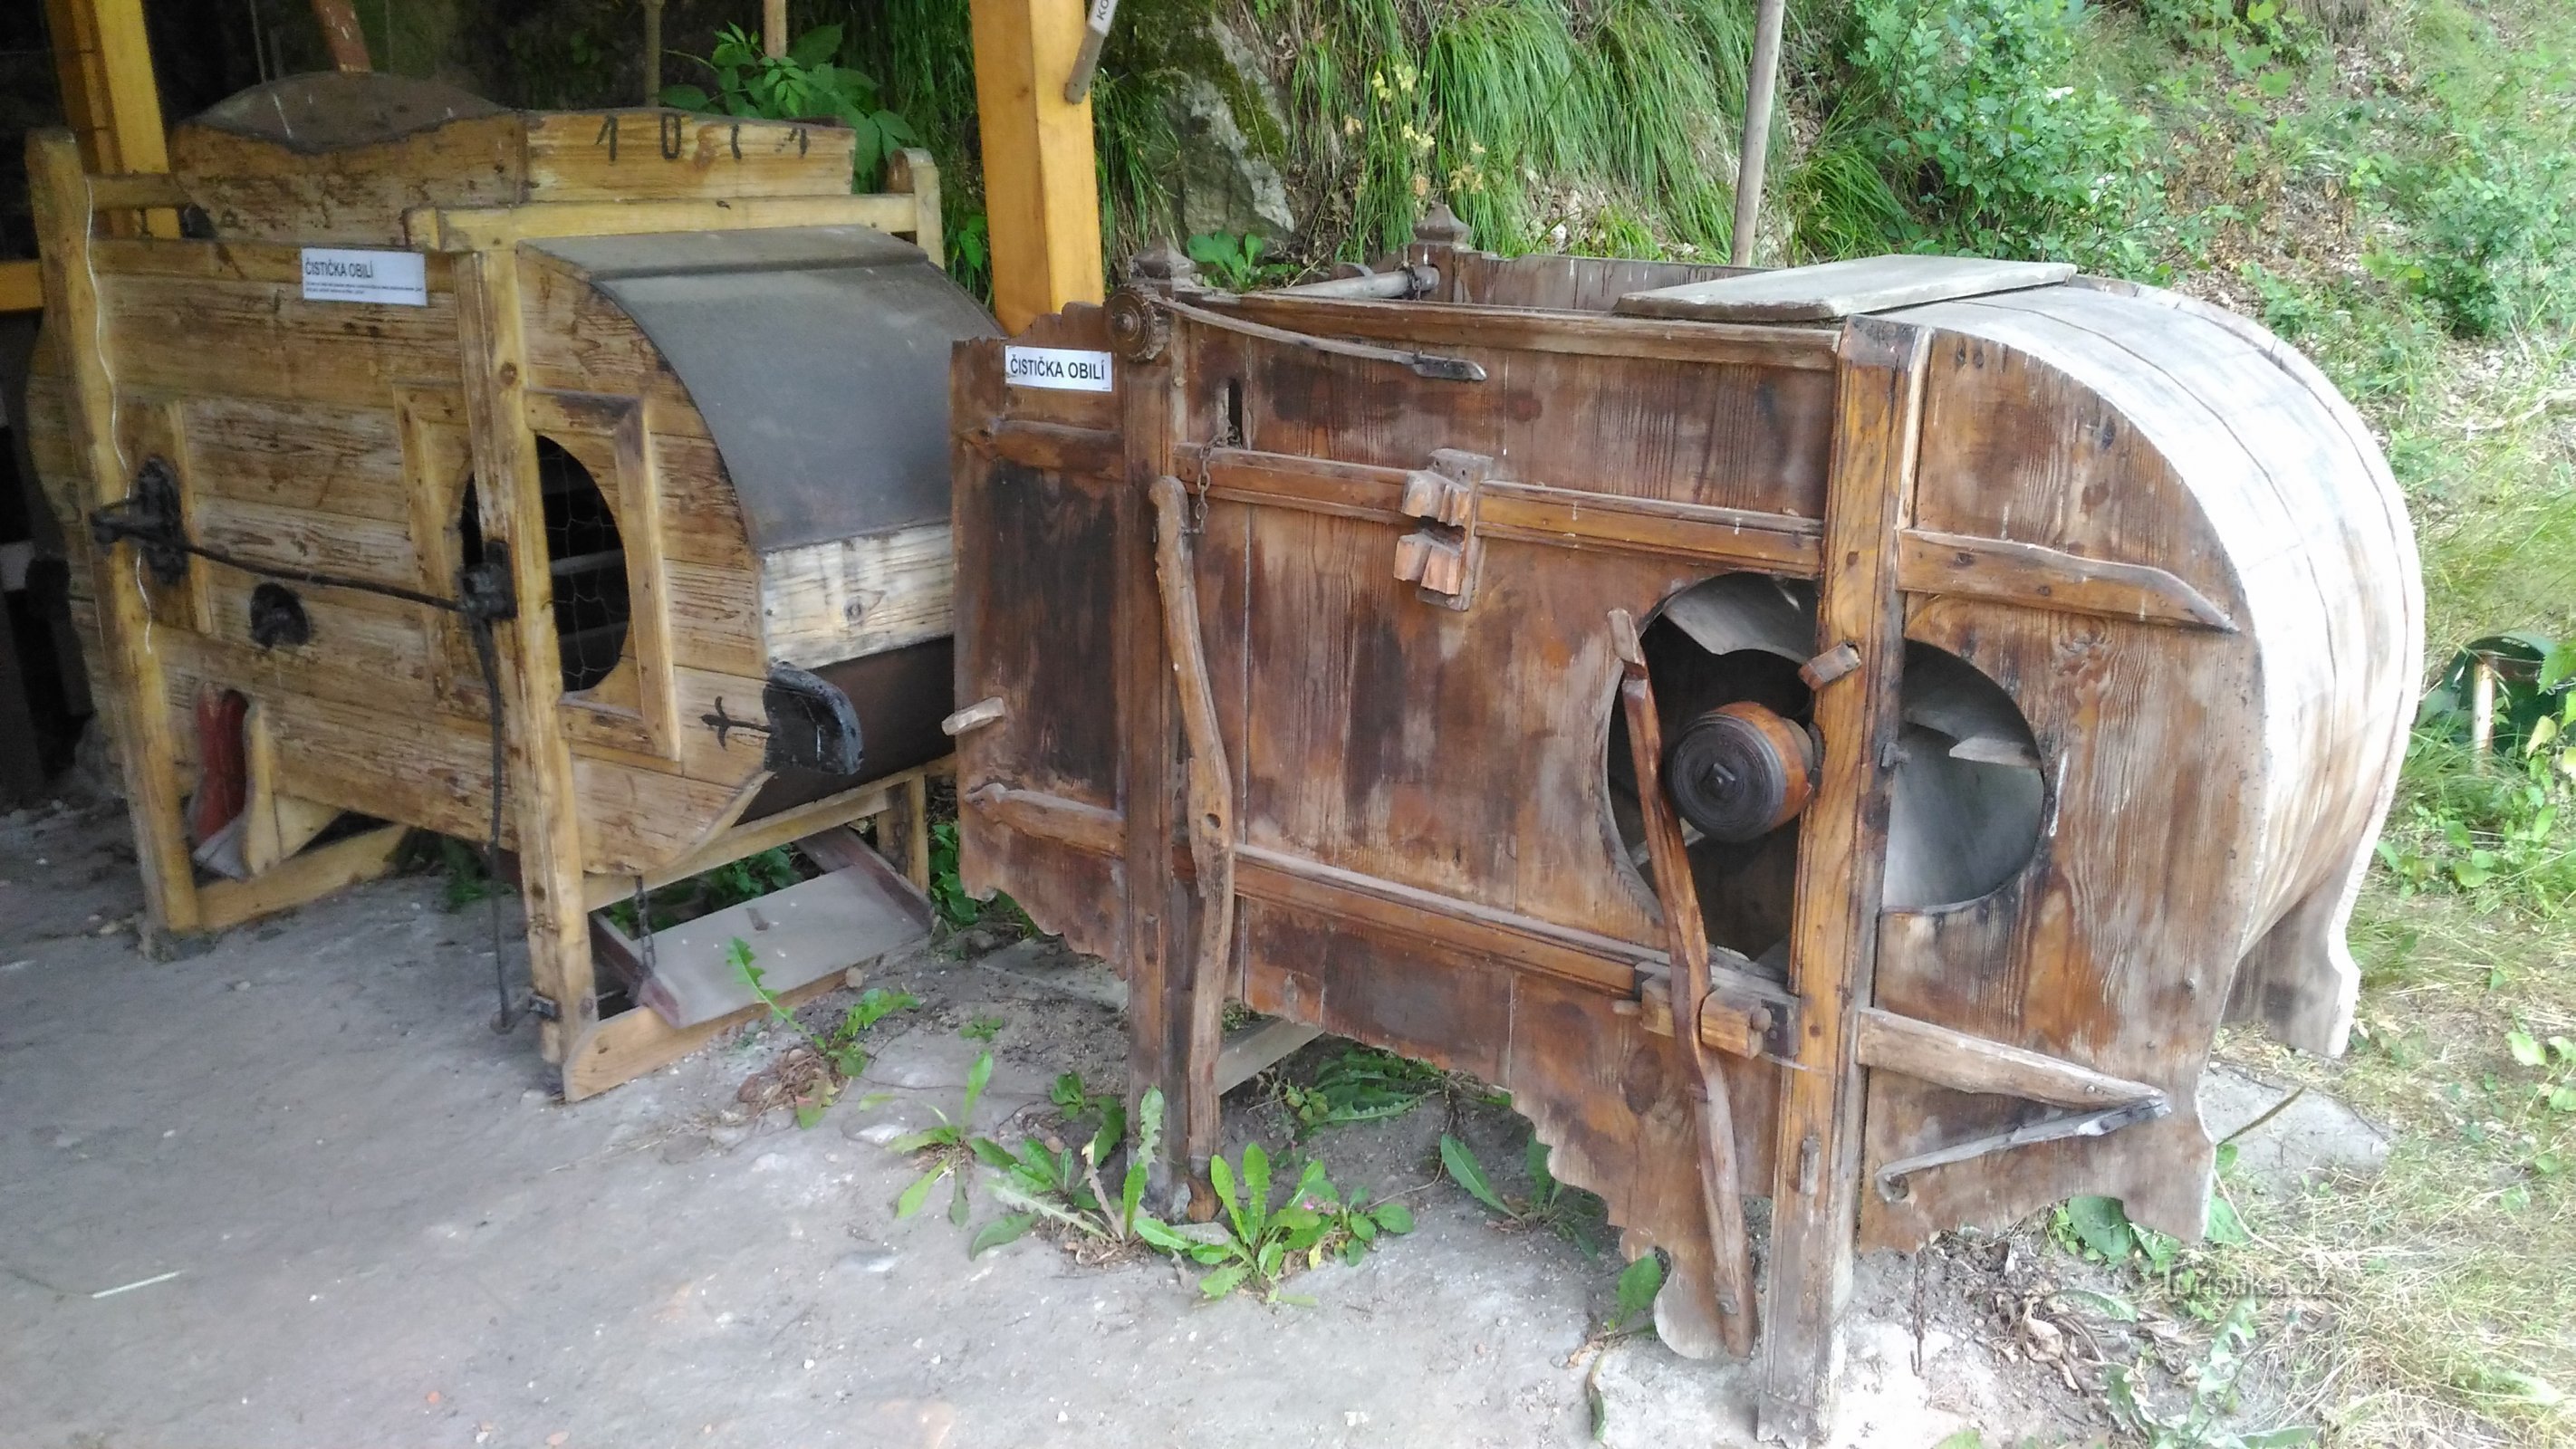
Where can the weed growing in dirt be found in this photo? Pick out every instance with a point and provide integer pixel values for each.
(1360, 1084)
(1045, 1180)
(840, 1050)
(1257, 1246)
(1571, 1213)
(2200, 1421)
(945, 1151)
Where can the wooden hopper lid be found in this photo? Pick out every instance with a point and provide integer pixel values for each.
(1830, 291)
(818, 357)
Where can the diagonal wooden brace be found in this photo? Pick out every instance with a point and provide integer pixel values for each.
(1686, 938)
(1211, 826)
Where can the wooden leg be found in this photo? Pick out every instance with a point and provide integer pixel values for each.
(540, 786)
(916, 827)
(1211, 824)
(301, 879)
(1686, 941)
(135, 703)
(1842, 861)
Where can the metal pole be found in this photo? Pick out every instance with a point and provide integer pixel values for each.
(1750, 155)
(340, 32)
(652, 52)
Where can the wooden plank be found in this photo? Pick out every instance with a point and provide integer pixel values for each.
(824, 602)
(312, 456)
(631, 1043)
(1052, 818)
(797, 934)
(542, 783)
(255, 189)
(1256, 1049)
(1210, 829)
(1770, 542)
(1437, 326)
(1842, 862)
(103, 56)
(754, 836)
(465, 229)
(1687, 991)
(2046, 578)
(1937, 1054)
(910, 171)
(1041, 187)
(22, 286)
(660, 155)
(131, 673)
(305, 878)
(1831, 290)
(840, 848)
(275, 825)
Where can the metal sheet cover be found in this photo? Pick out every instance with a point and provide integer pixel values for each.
(819, 358)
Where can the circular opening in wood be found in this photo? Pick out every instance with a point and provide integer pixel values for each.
(586, 557)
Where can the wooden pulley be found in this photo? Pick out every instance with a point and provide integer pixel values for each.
(1740, 771)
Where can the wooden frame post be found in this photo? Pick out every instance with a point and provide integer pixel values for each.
(1040, 186)
(1842, 868)
(103, 60)
(136, 698)
(540, 785)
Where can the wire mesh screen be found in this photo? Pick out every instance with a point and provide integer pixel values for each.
(586, 557)
(589, 566)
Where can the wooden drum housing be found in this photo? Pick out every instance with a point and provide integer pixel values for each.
(663, 371)
(1359, 755)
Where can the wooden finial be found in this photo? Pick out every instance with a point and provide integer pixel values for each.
(1440, 227)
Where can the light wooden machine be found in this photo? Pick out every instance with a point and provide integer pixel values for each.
(1950, 687)
(635, 413)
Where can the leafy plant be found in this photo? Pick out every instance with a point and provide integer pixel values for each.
(1260, 1245)
(1570, 1213)
(463, 877)
(945, 1151)
(2494, 226)
(2098, 1229)
(803, 84)
(982, 1028)
(1234, 261)
(2200, 1421)
(2001, 144)
(1361, 1084)
(1048, 1181)
(707, 892)
(1632, 1300)
(840, 1048)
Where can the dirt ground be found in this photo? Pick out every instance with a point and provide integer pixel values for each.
(292, 1189)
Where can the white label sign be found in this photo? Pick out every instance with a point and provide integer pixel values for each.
(333, 274)
(1063, 368)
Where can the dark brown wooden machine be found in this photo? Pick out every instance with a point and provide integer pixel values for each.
(1952, 687)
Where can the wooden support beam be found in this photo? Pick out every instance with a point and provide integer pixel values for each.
(1041, 189)
(1842, 868)
(304, 879)
(136, 698)
(475, 228)
(2047, 578)
(275, 825)
(540, 786)
(22, 287)
(341, 35)
(1964, 1063)
(103, 61)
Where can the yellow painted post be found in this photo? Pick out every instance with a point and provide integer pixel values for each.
(1041, 192)
(104, 62)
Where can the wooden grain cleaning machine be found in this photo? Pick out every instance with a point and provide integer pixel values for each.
(635, 414)
(1951, 688)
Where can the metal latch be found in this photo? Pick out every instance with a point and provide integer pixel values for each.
(1444, 555)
